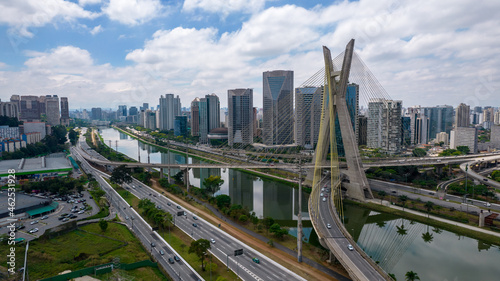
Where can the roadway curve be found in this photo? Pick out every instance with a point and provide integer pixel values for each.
(336, 238)
(477, 176)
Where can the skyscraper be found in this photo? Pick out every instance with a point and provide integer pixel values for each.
(29, 108)
(384, 125)
(195, 117)
(240, 117)
(462, 116)
(278, 107)
(170, 107)
(132, 110)
(64, 111)
(352, 102)
(96, 113)
(9, 109)
(308, 115)
(52, 110)
(122, 110)
(209, 115)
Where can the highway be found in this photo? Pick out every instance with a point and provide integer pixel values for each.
(179, 270)
(353, 260)
(224, 245)
(471, 173)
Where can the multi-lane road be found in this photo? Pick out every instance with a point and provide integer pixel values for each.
(223, 248)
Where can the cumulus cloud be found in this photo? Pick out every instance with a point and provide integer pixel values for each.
(88, 2)
(96, 30)
(133, 12)
(224, 7)
(21, 15)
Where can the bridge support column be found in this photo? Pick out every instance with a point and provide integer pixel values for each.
(331, 257)
(439, 168)
(161, 173)
(186, 178)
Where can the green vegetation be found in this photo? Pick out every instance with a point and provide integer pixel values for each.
(80, 248)
(212, 184)
(9, 121)
(480, 191)
(200, 247)
(103, 225)
(461, 150)
(160, 218)
(411, 276)
(120, 175)
(62, 186)
(73, 136)
(495, 175)
(419, 152)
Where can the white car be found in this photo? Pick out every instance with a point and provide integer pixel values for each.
(34, 230)
(350, 247)
(328, 226)
(487, 204)
(81, 212)
(212, 240)
(324, 199)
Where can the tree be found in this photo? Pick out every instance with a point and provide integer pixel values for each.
(392, 276)
(429, 206)
(103, 225)
(411, 276)
(212, 184)
(179, 177)
(382, 194)
(419, 152)
(120, 175)
(73, 136)
(403, 199)
(463, 149)
(200, 247)
(401, 230)
(427, 236)
(278, 231)
(267, 222)
(223, 201)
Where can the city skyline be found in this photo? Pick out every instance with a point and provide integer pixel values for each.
(94, 55)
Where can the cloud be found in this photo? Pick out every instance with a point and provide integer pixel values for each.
(224, 7)
(133, 12)
(96, 30)
(88, 2)
(3, 65)
(21, 15)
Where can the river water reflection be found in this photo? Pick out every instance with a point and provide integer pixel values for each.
(400, 245)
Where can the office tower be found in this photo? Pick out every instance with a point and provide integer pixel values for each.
(464, 136)
(52, 110)
(150, 119)
(352, 102)
(209, 116)
(496, 118)
(145, 106)
(132, 110)
(442, 137)
(9, 109)
(255, 121)
(122, 110)
(278, 107)
(240, 116)
(170, 107)
(29, 108)
(405, 130)
(16, 99)
(96, 113)
(422, 129)
(195, 117)
(440, 119)
(362, 130)
(495, 136)
(478, 109)
(308, 115)
(384, 125)
(180, 126)
(462, 116)
(64, 111)
(42, 104)
(488, 114)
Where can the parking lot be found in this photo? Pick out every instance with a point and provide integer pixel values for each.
(52, 219)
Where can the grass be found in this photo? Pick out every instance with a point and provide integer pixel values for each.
(442, 225)
(84, 247)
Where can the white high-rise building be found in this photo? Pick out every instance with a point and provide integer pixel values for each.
(240, 116)
(52, 110)
(463, 136)
(384, 125)
(308, 115)
(170, 107)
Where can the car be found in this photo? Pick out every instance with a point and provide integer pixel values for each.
(394, 191)
(324, 199)
(81, 212)
(126, 217)
(20, 226)
(431, 193)
(326, 194)
(195, 218)
(171, 260)
(149, 194)
(33, 230)
(176, 258)
(153, 244)
(34, 222)
(154, 195)
(45, 217)
(212, 240)
(321, 194)
(328, 226)
(255, 260)
(195, 225)
(178, 207)
(350, 247)
(65, 219)
(169, 204)
(487, 204)
(162, 252)
(485, 179)
(322, 189)
(60, 218)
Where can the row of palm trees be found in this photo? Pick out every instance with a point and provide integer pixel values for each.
(429, 206)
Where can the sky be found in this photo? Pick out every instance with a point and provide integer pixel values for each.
(105, 53)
